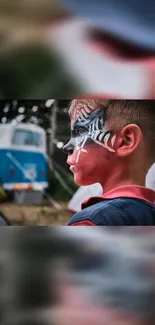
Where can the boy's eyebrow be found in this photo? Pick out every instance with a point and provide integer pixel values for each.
(78, 125)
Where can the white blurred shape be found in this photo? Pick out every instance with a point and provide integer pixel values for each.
(150, 178)
(21, 109)
(14, 122)
(6, 108)
(20, 118)
(82, 194)
(49, 102)
(60, 145)
(98, 73)
(34, 108)
(4, 119)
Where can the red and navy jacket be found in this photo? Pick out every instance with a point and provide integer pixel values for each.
(128, 205)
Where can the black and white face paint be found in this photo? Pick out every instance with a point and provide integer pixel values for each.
(87, 127)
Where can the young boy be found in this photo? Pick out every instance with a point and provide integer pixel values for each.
(113, 143)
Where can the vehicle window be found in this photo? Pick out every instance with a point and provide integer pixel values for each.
(28, 138)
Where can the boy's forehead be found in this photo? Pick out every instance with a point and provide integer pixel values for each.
(77, 111)
(81, 109)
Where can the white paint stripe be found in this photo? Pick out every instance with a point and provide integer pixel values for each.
(102, 123)
(80, 119)
(104, 146)
(97, 124)
(101, 136)
(84, 150)
(84, 141)
(113, 140)
(82, 116)
(96, 134)
(84, 113)
(93, 127)
(106, 138)
(78, 157)
(87, 109)
(81, 150)
(90, 129)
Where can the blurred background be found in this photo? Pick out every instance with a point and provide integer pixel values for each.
(36, 184)
(86, 275)
(67, 48)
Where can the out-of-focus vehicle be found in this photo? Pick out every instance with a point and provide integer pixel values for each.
(23, 170)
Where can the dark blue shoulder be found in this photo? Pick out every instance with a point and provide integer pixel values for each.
(95, 213)
(117, 212)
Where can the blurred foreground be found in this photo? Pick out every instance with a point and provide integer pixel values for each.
(79, 275)
(64, 49)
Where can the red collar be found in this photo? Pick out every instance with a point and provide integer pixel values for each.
(127, 191)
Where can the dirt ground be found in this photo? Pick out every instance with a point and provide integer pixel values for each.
(27, 215)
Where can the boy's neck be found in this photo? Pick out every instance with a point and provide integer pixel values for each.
(125, 172)
(115, 182)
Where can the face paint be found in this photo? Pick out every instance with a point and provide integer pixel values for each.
(88, 126)
(80, 111)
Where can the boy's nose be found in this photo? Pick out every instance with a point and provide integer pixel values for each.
(68, 148)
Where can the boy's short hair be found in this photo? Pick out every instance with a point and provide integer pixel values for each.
(120, 113)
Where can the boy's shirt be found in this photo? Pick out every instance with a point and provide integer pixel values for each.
(128, 205)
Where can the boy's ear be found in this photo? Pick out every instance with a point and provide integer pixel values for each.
(128, 140)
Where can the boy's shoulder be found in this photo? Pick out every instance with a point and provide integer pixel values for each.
(116, 212)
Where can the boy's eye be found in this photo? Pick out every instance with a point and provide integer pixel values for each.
(81, 132)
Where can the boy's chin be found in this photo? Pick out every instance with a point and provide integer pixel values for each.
(83, 181)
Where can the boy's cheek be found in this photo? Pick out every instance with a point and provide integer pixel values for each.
(90, 154)
(96, 152)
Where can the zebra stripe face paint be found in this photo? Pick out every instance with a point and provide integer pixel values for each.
(90, 147)
(88, 127)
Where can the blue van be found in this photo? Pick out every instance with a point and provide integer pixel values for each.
(23, 158)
